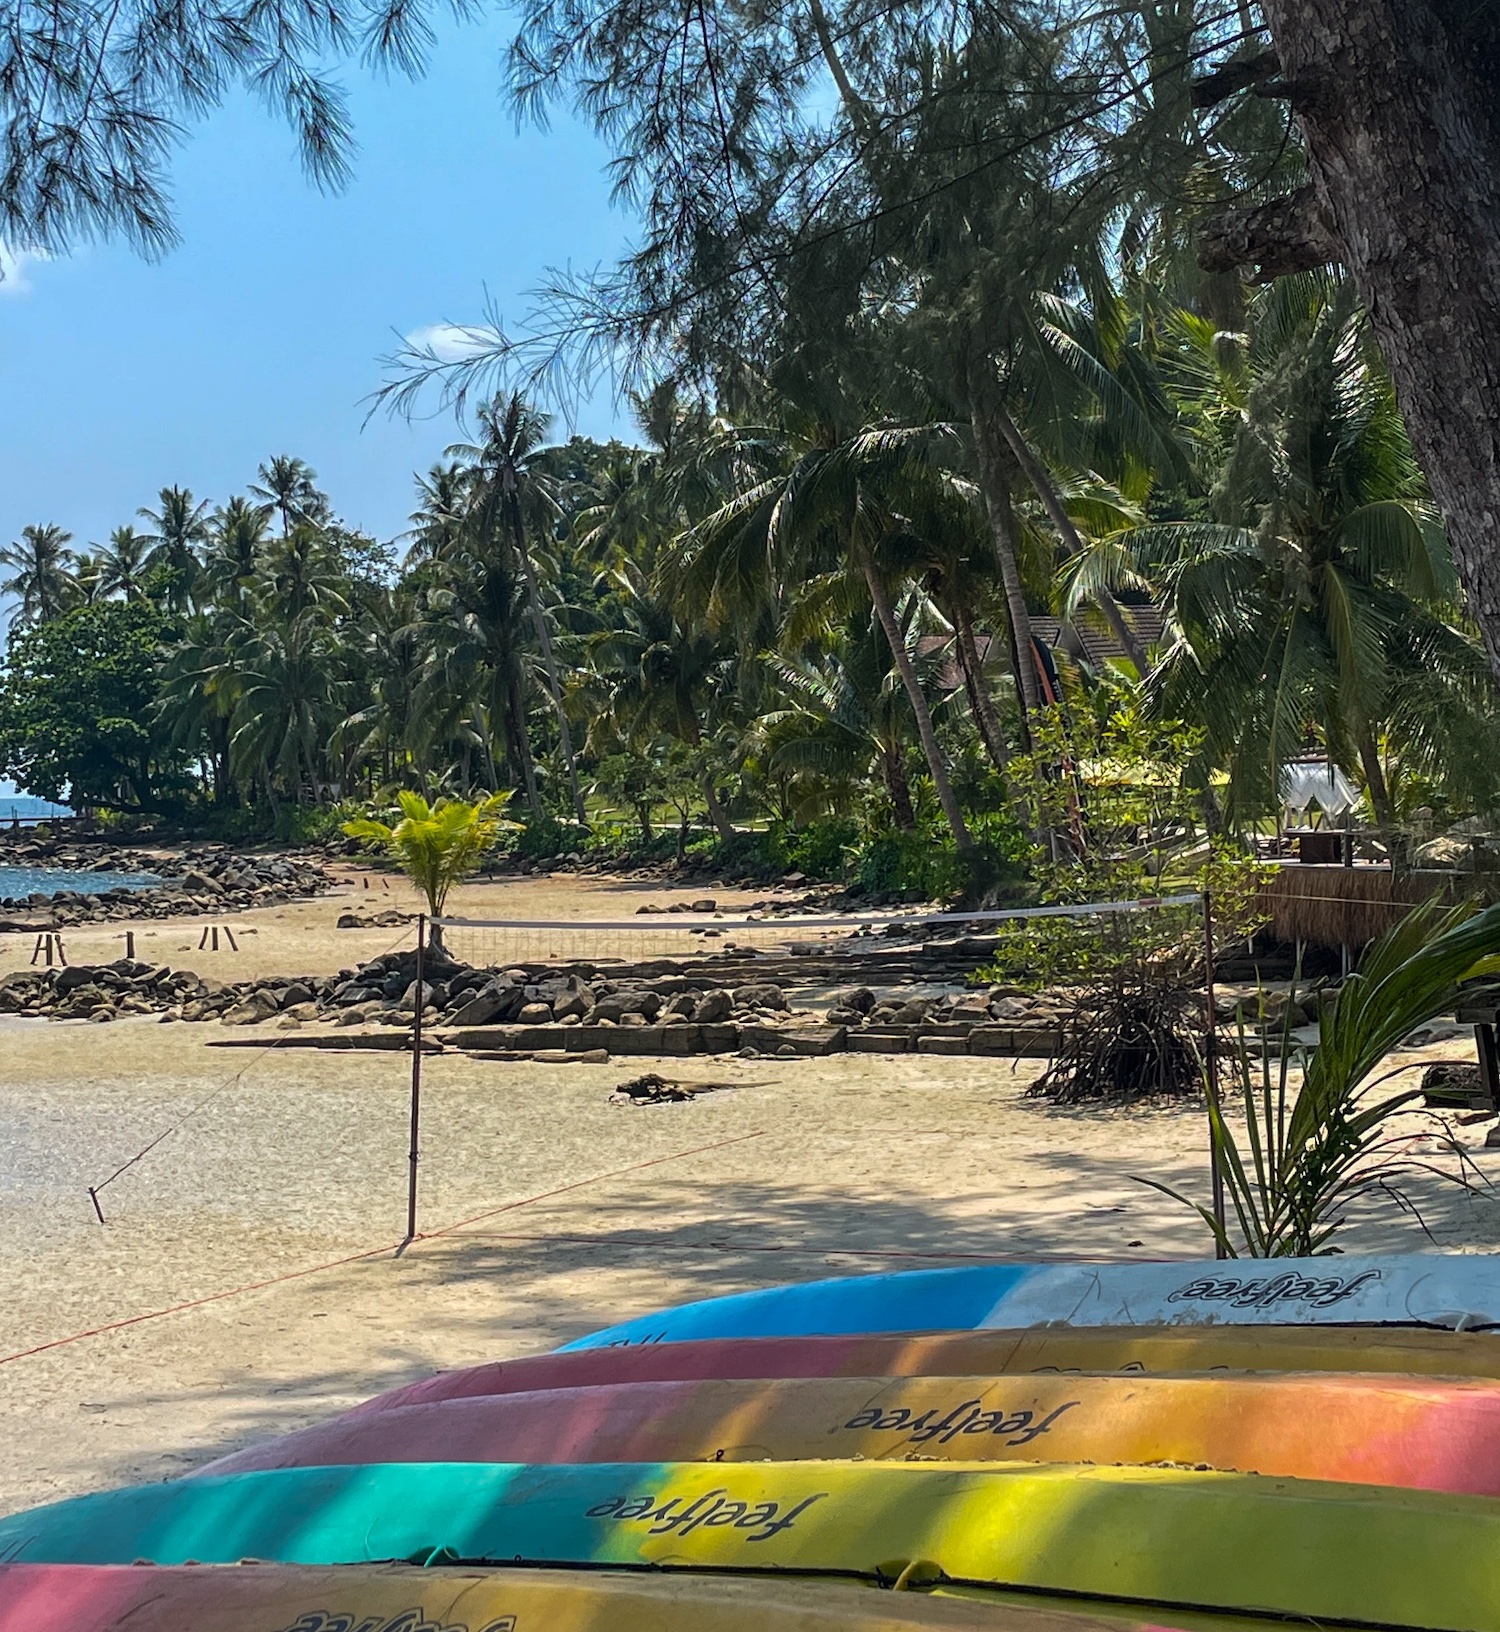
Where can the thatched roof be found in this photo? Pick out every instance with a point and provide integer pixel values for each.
(1337, 906)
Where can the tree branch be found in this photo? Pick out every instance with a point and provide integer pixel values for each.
(1290, 234)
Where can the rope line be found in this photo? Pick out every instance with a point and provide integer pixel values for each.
(360, 1257)
(206, 1101)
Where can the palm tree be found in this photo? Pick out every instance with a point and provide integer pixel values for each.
(1322, 581)
(511, 434)
(237, 541)
(840, 505)
(846, 715)
(122, 564)
(39, 562)
(289, 486)
(301, 574)
(181, 526)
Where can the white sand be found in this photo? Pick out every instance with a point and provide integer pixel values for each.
(804, 1168)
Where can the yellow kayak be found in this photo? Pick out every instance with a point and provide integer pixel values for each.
(399, 1598)
(1165, 1536)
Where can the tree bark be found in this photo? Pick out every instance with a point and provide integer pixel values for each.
(522, 740)
(893, 774)
(1046, 490)
(993, 481)
(981, 705)
(1369, 760)
(1397, 104)
(716, 811)
(549, 661)
(936, 764)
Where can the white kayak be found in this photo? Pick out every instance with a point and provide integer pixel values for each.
(1458, 1291)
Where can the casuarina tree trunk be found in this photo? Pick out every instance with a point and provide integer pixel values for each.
(1398, 105)
(936, 763)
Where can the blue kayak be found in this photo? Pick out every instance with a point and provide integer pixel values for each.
(1456, 1291)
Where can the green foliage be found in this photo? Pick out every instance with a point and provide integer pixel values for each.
(1309, 1154)
(78, 706)
(438, 845)
(911, 866)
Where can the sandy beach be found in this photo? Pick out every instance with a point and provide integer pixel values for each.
(273, 1208)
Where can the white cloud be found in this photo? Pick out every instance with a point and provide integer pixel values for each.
(452, 342)
(14, 267)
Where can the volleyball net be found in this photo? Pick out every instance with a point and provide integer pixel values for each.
(694, 937)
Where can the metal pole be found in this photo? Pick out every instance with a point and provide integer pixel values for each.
(1211, 1064)
(416, 1085)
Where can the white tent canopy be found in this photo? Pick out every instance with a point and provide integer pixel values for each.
(1309, 782)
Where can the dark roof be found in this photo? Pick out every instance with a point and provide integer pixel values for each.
(1085, 636)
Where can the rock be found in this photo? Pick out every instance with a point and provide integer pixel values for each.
(1009, 1008)
(493, 1004)
(197, 883)
(101, 1014)
(844, 1017)
(260, 1005)
(713, 1008)
(573, 1006)
(682, 1007)
(786, 1052)
(301, 1011)
(707, 904)
(432, 997)
(860, 998)
(288, 1022)
(348, 920)
(763, 995)
(295, 994)
(535, 1014)
(1446, 852)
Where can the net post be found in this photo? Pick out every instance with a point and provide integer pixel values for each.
(1211, 1070)
(416, 1083)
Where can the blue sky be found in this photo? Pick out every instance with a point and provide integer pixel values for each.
(261, 333)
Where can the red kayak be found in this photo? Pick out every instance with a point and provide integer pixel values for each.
(1162, 1350)
(1406, 1432)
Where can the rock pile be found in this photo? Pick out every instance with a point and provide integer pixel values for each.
(197, 879)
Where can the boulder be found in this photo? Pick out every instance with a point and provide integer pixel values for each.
(493, 1004)
(713, 1008)
(196, 883)
(1009, 1008)
(258, 1006)
(574, 1005)
(534, 1014)
(860, 998)
(762, 995)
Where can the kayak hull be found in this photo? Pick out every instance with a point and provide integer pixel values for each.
(1164, 1536)
(1407, 1432)
(1422, 1289)
(1170, 1350)
(399, 1598)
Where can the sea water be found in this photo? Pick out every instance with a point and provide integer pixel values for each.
(19, 882)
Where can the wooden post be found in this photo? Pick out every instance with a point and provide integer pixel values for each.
(1211, 1065)
(416, 1085)
(130, 944)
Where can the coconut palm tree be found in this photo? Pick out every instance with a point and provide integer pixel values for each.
(41, 577)
(180, 528)
(1304, 603)
(122, 564)
(839, 505)
(236, 551)
(290, 487)
(508, 486)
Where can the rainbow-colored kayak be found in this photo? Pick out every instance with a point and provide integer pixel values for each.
(1414, 1433)
(1166, 1350)
(399, 1598)
(1418, 1289)
(1213, 1541)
